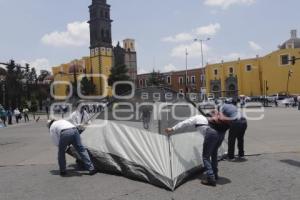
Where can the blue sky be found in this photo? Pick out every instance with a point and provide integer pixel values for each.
(47, 33)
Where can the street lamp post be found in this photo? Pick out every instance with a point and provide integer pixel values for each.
(201, 43)
(186, 72)
(290, 73)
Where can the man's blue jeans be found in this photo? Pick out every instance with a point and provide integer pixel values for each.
(72, 137)
(212, 141)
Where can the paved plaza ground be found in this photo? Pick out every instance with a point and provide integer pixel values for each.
(28, 168)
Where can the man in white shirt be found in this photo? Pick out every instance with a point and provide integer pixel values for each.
(213, 129)
(63, 134)
(80, 118)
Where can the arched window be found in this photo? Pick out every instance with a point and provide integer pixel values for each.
(231, 87)
(216, 88)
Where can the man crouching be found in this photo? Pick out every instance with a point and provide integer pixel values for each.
(64, 134)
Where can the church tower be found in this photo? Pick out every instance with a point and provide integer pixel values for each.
(100, 44)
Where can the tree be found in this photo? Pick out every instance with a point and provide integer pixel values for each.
(31, 76)
(87, 86)
(14, 77)
(44, 74)
(119, 73)
(34, 106)
(155, 79)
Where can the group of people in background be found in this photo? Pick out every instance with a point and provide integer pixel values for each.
(7, 115)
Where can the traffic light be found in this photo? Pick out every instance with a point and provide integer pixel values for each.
(27, 67)
(293, 60)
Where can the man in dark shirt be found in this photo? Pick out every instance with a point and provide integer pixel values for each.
(214, 130)
(237, 132)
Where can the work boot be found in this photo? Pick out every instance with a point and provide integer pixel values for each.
(93, 172)
(63, 173)
(216, 177)
(211, 181)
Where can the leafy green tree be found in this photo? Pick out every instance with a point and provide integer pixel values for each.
(155, 79)
(14, 85)
(87, 86)
(34, 106)
(119, 73)
(32, 76)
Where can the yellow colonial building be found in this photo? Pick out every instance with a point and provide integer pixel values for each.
(268, 75)
(97, 66)
(65, 74)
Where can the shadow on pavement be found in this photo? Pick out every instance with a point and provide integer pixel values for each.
(70, 173)
(220, 181)
(291, 162)
(223, 181)
(77, 167)
(240, 160)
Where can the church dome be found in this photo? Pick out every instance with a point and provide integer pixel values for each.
(78, 69)
(293, 42)
(49, 78)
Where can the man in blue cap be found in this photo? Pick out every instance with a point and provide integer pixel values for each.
(214, 131)
(238, 127)
(219, 123)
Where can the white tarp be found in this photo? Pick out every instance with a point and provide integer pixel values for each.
(135, 153)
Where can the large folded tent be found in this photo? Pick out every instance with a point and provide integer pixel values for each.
(137, 147)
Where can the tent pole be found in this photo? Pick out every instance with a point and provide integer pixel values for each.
(170, 152)
(171, 166)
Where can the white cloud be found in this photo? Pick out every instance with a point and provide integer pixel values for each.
(143, 71)
(209, 30)
(233, 56)
(77, 34)
(254, 46)
(115, 43)
(194, 50)
(39, 64)
(230, 57)
(169, 68)
(181, 37)
(224, 4)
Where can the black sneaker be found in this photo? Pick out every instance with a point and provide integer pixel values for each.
(216, 177)
(209, 181)
(241, 158)
(63, 173)
(230, 159)
(93, 172)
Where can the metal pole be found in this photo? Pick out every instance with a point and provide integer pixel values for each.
(186, 72)
(201, 42)
(288, 82)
